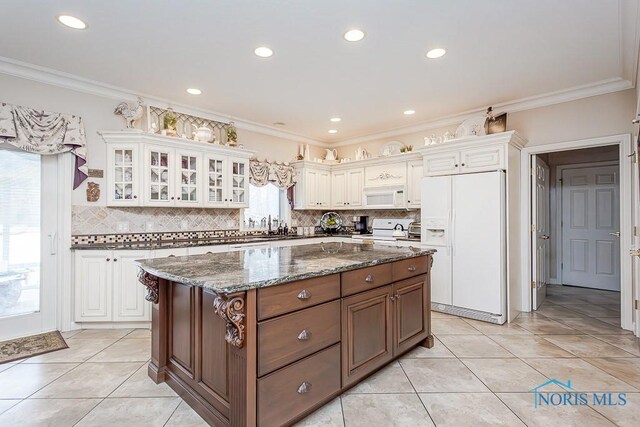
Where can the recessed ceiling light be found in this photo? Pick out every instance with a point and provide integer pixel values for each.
(335, 119)
(354, 35)
(72, 22)
(333, 131)
(263, 52)
(436, 53)
(409, 112)
(279, 123)
(194, 91)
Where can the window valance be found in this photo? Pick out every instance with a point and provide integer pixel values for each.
(45, 133)
(280, 174)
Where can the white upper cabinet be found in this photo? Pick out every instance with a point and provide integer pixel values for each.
(346, 188)
(123, 175)
(158, 176)
(415, 173)
(313, 188)
(188, 178)
(239, 183)
(470, 155)
(151, 170)
(386, 175)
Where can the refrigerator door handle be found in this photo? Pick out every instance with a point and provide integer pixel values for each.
(452, 230)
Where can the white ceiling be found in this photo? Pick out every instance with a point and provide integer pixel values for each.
(498, 51)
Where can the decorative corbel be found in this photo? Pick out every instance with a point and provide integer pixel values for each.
(231, 310)
(152, 283)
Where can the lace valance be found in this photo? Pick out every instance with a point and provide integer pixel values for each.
(280, 174)
(43, 132)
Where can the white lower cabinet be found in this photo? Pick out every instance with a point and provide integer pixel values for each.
(106, 287)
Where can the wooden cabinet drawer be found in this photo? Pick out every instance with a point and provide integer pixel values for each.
(277, 300)
(296, 335)
(366, 278)
(289, 392)
(410, 267)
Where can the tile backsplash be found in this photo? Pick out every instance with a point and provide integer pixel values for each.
(311, 218)
(103, 220)
(91, 220)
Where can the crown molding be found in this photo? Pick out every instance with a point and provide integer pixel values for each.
(57, 78)
(558, 97)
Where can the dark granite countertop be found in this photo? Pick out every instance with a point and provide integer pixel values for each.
(231, 272)
(187, 243)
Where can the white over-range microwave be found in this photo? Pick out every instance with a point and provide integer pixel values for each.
(385, 197)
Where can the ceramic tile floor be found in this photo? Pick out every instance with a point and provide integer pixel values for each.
(477, 374)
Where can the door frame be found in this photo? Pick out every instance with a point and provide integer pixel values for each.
(628, 213)
(558, 229)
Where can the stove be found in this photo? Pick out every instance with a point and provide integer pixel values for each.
(383, 229)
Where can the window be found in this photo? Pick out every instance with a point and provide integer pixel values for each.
(265, 201)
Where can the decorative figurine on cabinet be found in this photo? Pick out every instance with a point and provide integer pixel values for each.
(131, 112)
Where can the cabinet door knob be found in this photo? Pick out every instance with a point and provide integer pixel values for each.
(305, 387)
(108, 259)
(369, 278)
(456, 165)
(135, 197)
(304, 294)
(179, 198)
(462, 164)
(411, 268)
(173, 198)
(304, 335)
(115, 259)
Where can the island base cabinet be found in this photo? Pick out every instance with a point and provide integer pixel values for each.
(298, 388)
(411, 321)
(366, 333)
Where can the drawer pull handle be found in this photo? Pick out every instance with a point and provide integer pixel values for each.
(369, 278)
(305, 387)
(411, 268)
(304, 335)
(304, 294)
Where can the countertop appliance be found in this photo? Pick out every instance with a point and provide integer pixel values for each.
(415, 229)
(465, 221)
(384, 228)
(360, 224)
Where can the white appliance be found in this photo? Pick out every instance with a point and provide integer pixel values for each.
(385, 197)
(383, 230)
(463, 217)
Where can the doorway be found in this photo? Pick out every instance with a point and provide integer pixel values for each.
(28, 243)
(579, 251)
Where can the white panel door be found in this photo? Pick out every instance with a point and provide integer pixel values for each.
(355, 184)
(441, 163)
(415, 173)
(479, 242)
(540, 232)
(93, 285)
(436, 217)
(324, 189)
(591, 227)
(339, 189)
(128, 294)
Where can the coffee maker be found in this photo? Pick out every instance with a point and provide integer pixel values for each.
(360, 224)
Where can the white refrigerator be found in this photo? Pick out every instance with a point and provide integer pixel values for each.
(463, 217)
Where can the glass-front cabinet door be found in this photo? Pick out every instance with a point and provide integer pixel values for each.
(239, 180)
(188, 179)
(216, 193)
(158, 172)
(123, 177)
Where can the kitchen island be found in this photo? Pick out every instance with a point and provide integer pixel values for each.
(266, 336)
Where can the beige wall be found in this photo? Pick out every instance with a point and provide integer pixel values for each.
(596, 116)
(97, 113)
